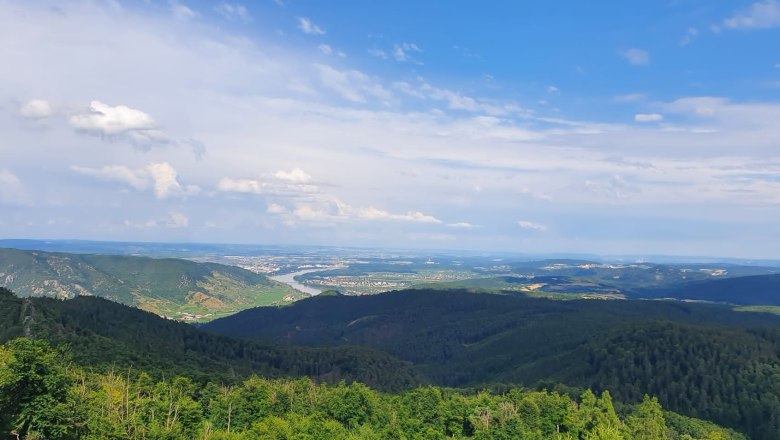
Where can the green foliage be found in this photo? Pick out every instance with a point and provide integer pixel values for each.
(34, 391)
(166, 286)
(49, 402)
(700, 360)
(107, 336)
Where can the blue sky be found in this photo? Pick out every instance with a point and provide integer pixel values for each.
(602, 127)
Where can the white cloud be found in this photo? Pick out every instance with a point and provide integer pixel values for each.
(177, 220)
(378, 53)
(161, 177)
(308, 212)
(525, 224)
(636, 57)
(174, 220)
(631, 97)
(118, 122)
(689, 36)
(233, 11)
(371, 213)
(137, 179)
(295, 175)
(326, 49)
(307, 27)
(462, 225)
(352, 85)
(36, 108)
(614, 187)
(275, 208)
(553, 89)
(11, 188)
(648, 117)
(166, 183)
(182, 12)
(422, 147)
(246, 186)
(401, 52)
(760, 15)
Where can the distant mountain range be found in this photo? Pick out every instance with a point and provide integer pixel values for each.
(165, 286)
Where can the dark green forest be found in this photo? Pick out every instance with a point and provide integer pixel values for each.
(108, 336)
(700, 360)
(43, 396)
(473, 350)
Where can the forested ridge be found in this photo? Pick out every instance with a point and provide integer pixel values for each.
(42, 396)
(700, 360)
(108, 336)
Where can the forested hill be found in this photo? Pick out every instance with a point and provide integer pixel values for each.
(165, 286)
(41, 399)
(106, 336)
(701, 360)
(751, 290)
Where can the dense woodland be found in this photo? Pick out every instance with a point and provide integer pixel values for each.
(42, 396)
(700, 360)
(106, 335)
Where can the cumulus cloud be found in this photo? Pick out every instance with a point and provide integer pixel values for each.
(165, 181)
(636, 57)
(760, 15)
(246, 186)
(233, 11)
(275, 208)
(648, 117)
(36, 108)
(307, 27)
(11, 188)
(308, 212)
(177, 220)
(525, 224)
(161, 178)
(326, 209)
(120, 122)
(295, 175)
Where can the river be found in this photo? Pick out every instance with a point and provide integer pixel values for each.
(289, 279)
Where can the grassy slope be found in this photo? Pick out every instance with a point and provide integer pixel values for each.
(163, 286)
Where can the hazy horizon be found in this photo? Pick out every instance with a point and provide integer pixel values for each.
(557, 128)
